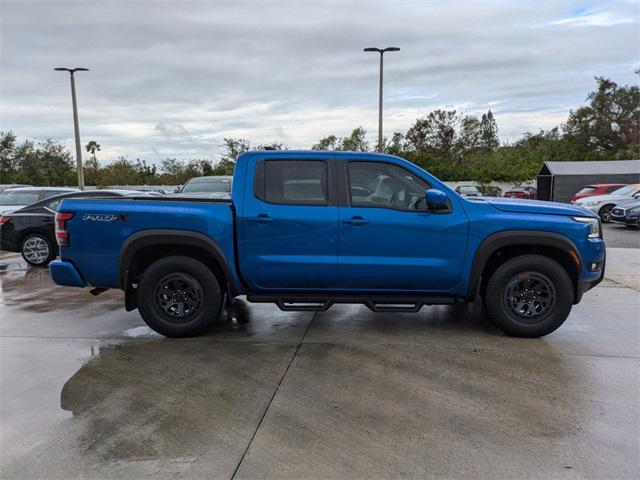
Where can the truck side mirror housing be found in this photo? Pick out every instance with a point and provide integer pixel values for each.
(437, 201)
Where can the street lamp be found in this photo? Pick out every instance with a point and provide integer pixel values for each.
(381, 52)
(76, 126)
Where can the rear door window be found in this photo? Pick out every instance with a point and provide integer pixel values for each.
(292, 182)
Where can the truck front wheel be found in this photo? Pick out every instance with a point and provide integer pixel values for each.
(529, 296)
(179, 296)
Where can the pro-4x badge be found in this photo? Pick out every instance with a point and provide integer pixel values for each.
(101, 217)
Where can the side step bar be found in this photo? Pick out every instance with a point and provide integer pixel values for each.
(302, 302)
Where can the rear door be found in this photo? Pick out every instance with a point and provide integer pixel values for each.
(288, 225)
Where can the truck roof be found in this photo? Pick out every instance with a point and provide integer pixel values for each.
(337, 153)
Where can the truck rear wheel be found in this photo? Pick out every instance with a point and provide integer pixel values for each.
(529, 296)
(179, 296)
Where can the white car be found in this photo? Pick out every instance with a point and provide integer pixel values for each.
(15, 198)
(603, 204)
(217, 186)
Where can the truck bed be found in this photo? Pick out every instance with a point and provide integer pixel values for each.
(106, 224)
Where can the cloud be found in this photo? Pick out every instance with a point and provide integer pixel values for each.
(173, 131)
(174, 78)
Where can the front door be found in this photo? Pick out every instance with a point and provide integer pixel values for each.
(289, 224)
(388, 241)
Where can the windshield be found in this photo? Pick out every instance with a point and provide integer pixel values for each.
(468, 189)
(18, 198)
(586, 190)
(207, 185)
(625, 191)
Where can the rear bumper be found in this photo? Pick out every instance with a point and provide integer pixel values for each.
(64, 273)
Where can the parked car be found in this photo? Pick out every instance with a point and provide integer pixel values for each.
(603, 204)
(15, 198)
(522, 192)
(305, 230)
(6, 186)
(30, 230)
(468, 191)
(206, 187)
(627, 213)
(597, 189)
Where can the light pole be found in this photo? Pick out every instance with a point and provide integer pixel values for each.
(381, 52)
(76, 125)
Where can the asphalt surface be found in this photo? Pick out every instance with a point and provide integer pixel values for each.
(619, 236)
(88, 391)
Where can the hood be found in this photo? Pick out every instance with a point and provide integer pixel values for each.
(536, 206)
(629, 204)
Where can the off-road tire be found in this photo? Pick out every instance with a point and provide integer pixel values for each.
(521, 269)
(199, 280)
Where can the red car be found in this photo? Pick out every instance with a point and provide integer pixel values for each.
(522, 192)
(597, 189)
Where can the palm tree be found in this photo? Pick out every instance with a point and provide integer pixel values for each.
(92, 147)
(91, 168)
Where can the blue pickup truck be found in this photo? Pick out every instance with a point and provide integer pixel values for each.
(308, 229)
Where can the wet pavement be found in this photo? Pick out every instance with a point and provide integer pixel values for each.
(88, 391)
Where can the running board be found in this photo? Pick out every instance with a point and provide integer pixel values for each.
(301, 302)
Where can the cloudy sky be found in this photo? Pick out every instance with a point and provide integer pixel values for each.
(172, 78)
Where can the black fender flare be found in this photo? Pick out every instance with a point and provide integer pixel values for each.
(507, 238)
(183, 238)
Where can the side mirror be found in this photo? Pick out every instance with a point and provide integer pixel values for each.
(177, 190)
(637, 195)
(437, 201)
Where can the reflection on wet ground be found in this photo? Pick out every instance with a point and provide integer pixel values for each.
(88, 391)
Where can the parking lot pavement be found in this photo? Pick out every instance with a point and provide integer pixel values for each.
(87, 390)
(619, 236)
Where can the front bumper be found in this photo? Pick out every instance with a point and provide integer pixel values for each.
(65, 273)
(626, 218)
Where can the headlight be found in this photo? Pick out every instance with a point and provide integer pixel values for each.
(591, 204)
(594, 225)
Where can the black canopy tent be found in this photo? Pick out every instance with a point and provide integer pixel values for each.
(559, 181)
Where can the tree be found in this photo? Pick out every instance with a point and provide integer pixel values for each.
(92, 147)
(611, 120)
(327, 143)
(356, 142)
(396, 145)
(145, 173)
(469, 138)
(437, 132)
(489, 132)
(7, 157)
(56, 163)
(120, 172)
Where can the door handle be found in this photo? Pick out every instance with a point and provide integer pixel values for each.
(357, 220)
(262, 218)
